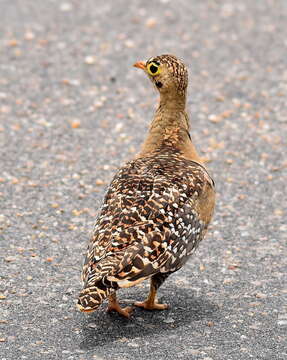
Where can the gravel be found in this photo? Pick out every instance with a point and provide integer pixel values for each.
(73, 109)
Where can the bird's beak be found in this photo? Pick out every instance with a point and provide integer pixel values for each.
(140, 65)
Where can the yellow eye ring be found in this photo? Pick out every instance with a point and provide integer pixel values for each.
(153, 68)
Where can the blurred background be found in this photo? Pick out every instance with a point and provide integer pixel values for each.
(73, 109)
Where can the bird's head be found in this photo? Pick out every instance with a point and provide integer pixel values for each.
(167, 72)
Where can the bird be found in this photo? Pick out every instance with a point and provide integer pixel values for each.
(158, 206)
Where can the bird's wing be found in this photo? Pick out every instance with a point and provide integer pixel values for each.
(149, 223)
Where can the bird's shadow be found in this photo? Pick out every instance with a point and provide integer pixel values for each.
(100, 328)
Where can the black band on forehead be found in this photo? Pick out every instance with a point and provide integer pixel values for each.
(153, 60)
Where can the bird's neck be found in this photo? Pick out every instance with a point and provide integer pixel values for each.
(170, 129)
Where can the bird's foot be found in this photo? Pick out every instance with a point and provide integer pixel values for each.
(126, 312)
(148, 305)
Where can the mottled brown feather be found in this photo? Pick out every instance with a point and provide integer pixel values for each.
(157, 207)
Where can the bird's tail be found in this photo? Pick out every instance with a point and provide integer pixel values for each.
(97, 287)
(103, 279)
(91, 297)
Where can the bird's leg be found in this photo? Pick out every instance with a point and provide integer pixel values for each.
(151, 302)
(115, 306)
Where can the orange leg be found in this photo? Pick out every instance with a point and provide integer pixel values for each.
(151, 302)
(115, 306)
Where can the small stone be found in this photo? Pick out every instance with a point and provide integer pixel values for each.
(99, 182)
(226, 114)
(227, 281)
(65, 7)
(4, 109)
(76, 212)
(233, 267)
(129, 44)
(229, 161)
(169, 320)
(278, 212)
(151, 22)
(29, 35)
(96, 357)
(132, 344)
(75, 124)
(119, 126)
(90, 60)
(92, 325)
(123, 339)
(261, 296)
(214, 118)
(220, 98)
(13, 42)
(80, 351)
(241, 196)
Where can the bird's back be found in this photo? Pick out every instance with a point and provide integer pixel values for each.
(154, 214)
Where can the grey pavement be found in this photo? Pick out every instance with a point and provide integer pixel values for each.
(73, 109)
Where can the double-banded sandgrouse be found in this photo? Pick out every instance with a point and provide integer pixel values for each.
(158, 206)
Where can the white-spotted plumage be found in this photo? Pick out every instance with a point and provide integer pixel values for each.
(156, 210)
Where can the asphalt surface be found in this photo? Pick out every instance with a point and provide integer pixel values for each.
(72, 109)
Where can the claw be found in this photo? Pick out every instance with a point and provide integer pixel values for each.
(115, 306)
(126, 312)
(147, 305)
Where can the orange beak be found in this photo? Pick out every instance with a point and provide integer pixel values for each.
(140, 65)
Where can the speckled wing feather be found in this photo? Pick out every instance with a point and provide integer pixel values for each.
(152, 219)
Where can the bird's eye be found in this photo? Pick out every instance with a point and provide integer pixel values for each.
(153, 68)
